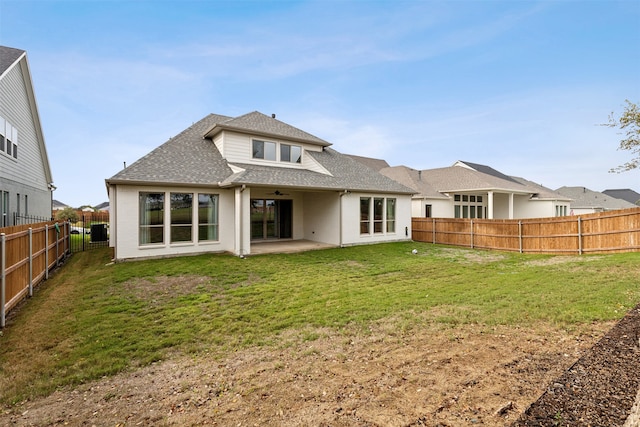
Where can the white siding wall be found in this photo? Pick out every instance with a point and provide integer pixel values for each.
(236, 147)
(351, 220)
(125, 209)
(26, 175)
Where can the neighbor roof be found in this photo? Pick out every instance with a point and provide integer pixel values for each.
(190, 159)
(412, 178)
(588, 199)
(375, 164)
(624, 194)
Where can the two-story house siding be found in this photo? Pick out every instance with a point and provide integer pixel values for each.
(25, 175)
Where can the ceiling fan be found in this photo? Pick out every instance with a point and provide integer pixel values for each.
(279, 193)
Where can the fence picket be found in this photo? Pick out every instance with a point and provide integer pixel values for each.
(22, 249)
(605, 232)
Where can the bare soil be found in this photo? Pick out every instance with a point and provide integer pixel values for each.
(386, 376)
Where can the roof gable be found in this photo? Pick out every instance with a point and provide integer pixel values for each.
(260, 124)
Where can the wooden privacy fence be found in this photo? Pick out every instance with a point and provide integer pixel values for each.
(27, 254)
(605, 232)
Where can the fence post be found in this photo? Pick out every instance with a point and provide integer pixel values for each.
(520, 234)
(434, 231)
(3, 263)
(46, 251)
(471, 222)
(57, 227)
(579, 235)
(30, 261)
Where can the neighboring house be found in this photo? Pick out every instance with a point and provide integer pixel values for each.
(226, 183)
(586, 201)
(26, 184)
(57, 205)
(471, 190)
(103, 207)
(624, 194)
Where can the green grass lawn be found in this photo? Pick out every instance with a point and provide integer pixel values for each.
(96, 318)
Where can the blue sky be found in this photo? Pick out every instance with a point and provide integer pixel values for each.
(520, 86)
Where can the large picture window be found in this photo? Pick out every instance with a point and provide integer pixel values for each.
(151, 207)
(181, 217)
(377, 212)
(207, 217)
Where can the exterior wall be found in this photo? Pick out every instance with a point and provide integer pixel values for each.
(351, 220)
(525, 208)
(322, 217)
(124, 200)
(25, 175)
(440, 208)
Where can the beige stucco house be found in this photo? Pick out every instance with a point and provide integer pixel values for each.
(471, 190)
(228, 183)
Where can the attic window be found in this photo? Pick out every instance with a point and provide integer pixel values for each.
(290, 153)
(264, 150)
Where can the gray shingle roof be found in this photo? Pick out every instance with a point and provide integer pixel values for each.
(258, 123)
(190, 159)
(8, 56)
(460, 178)
(585, 198)
(375, 164)
(412, 178)
(541, 192)
(625, 194)
(187, 158)
(487, 170)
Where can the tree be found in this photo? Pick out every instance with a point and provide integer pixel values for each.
(68, 214)
(629, 123)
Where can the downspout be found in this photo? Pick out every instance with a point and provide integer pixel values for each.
(342, 193)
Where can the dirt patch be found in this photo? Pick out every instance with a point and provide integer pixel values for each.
(600, 388)
(468, 256)
(384, 376)
(164, 288)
